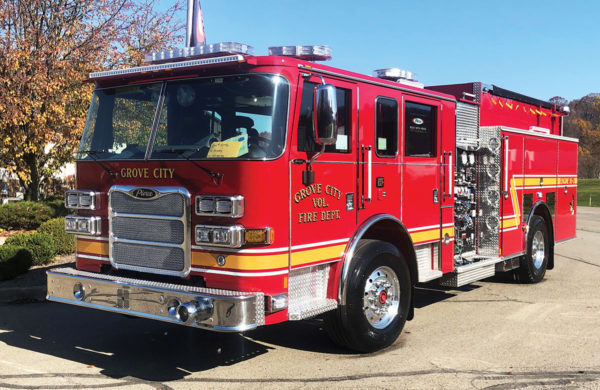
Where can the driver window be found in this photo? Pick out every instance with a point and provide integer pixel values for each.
(306, 141)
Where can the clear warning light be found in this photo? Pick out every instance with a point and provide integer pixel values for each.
(309, 53)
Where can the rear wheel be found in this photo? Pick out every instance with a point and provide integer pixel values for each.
(377, 299)
(534, 263)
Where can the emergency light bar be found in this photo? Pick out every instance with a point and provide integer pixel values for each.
(399, 76)
(202, 51)
(167, 66)
(308, 53)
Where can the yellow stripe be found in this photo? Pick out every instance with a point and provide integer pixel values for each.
(567, 180)
(255, 263)
(93, 247)
(241, 262)
(310, 256)
(508, 223)
(515, 203)
(429, 235)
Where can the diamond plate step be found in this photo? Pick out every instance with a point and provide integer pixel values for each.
(469, 273)
(310, 308)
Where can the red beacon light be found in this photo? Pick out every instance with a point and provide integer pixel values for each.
(308, 53)
(202, 51)
(398, 75)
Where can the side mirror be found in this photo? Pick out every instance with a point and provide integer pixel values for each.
(325, 115)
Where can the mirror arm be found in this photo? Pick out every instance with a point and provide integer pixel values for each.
(308, 176)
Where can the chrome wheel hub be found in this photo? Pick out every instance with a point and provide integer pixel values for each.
(537, 249)
(381, 298)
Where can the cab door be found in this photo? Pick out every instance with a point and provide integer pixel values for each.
(425, 188)
(322, 212)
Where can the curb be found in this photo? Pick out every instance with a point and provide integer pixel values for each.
(23, 294)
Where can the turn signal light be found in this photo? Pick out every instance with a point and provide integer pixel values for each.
(259, 236)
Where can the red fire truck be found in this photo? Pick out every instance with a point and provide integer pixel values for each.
(226, 191)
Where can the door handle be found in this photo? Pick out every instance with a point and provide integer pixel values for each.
(435, 196)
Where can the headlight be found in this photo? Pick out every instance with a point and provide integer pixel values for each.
(79, 199)
(82, 225)
(220, 206)
(227, 236)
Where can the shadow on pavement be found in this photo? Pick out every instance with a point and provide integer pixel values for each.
(149, 350)
(429, 293)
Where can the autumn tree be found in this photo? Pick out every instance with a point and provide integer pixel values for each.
(584, 123)
(47, 50)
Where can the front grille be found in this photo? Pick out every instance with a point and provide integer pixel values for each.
(150, 235)
(157, 257)
(168, 204)
(145, 229)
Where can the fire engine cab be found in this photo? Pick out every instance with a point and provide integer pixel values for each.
(226, 191)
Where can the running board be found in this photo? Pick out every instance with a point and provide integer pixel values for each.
(310, 308)
(469, 273)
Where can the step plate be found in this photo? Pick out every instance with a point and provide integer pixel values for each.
(457, 279)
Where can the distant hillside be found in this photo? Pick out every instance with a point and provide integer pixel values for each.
(584, 123)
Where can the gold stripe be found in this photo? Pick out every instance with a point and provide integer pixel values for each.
(240, 261)
(432, 234)
(508, 223)
(515, 203)
(255, 263)
(313, 255)
(92, 247)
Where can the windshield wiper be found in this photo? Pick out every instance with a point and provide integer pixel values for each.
(92, 154)
(216, 177)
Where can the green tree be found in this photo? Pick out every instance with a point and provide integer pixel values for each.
(47, 50)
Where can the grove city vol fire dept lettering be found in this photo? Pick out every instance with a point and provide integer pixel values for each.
(144, 173)
(318, 202)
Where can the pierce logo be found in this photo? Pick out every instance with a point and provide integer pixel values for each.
(418, 121)
(143, 193)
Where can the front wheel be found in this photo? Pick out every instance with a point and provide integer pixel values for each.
(378, 292)
(534, 263)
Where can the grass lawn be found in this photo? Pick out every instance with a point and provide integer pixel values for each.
(587, 188)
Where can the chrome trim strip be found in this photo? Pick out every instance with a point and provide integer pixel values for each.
(372, 82)
(147, 216)
(186, 219)
(272, 250)
(322, 243)
(529, 132)
(93, 257)
(244, 274)
(91, 238)
(167, 66)
(149, 243)
(240, 251)
(349, 253)
(233, 311)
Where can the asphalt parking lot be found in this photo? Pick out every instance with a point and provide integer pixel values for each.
(491, 334)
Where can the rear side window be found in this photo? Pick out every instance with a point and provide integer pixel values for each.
(306, 141)
(386, 127)
(420, 126)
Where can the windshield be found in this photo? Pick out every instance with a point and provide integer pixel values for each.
(239, 117)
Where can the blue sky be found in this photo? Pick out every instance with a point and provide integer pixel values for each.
(538, 48)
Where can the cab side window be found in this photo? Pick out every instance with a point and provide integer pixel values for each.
(306, 141)
(420, 124)
(386, 127)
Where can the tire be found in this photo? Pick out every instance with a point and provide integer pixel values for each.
(534, 263)
(378, 296)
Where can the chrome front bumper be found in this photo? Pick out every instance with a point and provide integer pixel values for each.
(229, 311)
